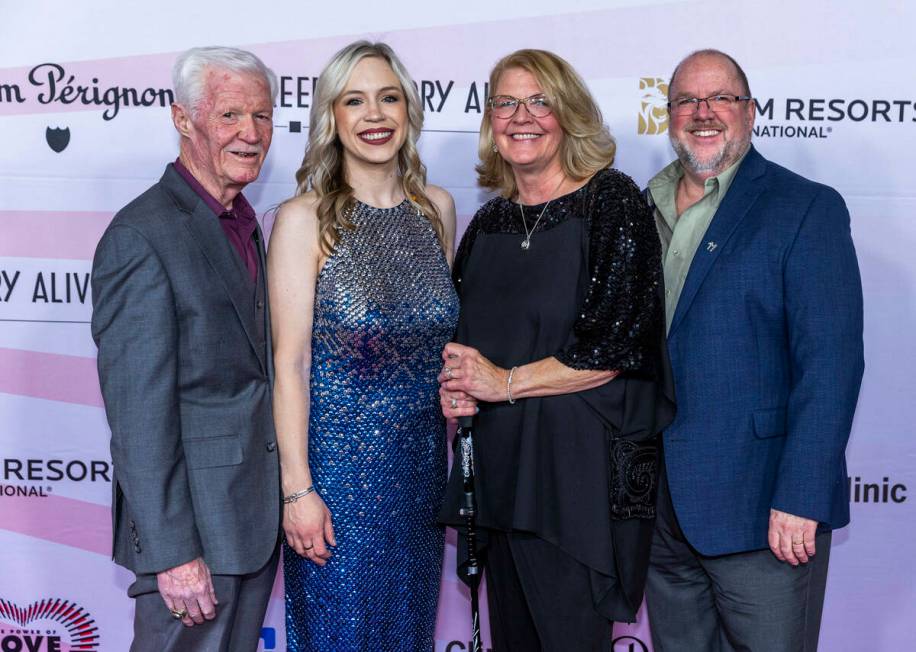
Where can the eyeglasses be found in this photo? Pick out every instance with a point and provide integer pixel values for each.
(720, 103)
(505, 106)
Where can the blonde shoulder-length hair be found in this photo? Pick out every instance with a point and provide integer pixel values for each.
(587, 145)
(322, 170)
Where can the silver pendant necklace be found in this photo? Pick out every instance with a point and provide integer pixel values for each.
(526, 243)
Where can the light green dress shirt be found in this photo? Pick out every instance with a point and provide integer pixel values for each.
(682, 235)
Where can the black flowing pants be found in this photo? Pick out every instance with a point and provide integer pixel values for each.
(540, 598)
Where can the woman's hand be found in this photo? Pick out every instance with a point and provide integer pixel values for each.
(468, 372)
(456, 404)
(308, 528)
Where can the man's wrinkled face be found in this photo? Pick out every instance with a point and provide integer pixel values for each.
(229, 130)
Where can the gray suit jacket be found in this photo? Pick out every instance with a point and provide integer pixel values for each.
(186, 370)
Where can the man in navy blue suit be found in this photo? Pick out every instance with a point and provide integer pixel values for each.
(764, 310)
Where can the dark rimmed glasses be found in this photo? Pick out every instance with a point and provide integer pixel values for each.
(719, 103)
(505, 106)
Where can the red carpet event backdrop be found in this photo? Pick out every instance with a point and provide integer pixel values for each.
(84, 121)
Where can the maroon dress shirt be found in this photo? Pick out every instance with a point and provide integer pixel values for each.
(239, 224)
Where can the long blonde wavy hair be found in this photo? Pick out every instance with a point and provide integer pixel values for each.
(587, 145)
(322, 170)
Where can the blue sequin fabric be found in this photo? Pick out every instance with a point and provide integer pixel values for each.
(384, 308)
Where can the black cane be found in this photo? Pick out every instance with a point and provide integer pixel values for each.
(468, 510)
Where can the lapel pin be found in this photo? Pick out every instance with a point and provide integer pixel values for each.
(710, 246)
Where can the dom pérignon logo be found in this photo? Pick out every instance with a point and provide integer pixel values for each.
(50, 625)
(653, 106)
(58, 138)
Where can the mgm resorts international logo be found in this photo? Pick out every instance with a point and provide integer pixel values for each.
(810, 118)
(50, 625)
(32, 478)
(653, 109)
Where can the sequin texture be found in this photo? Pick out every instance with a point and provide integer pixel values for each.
(618, 325)
(384, 308)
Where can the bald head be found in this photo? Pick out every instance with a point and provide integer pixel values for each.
(712, 55)
(709, 137)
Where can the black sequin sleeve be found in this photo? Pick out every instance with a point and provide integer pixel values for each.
(484, 214)
(621, 317)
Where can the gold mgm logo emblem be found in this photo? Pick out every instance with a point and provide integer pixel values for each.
(653, 112)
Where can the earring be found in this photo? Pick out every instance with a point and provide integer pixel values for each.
(495, 148)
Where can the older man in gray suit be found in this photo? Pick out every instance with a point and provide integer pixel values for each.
(181, 321)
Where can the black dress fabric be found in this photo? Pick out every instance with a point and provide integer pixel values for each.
(538, 598)
(577, 470)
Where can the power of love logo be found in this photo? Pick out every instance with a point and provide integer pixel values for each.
(49, 625)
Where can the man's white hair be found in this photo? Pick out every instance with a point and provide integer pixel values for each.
(189, 68)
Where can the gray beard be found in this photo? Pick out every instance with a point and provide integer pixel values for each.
(731, 152)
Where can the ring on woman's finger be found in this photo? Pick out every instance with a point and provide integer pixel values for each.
(454, 403)
(448, 373)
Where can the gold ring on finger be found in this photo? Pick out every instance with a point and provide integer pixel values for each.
(178, 614)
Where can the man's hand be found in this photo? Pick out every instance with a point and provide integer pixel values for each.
(791, 537)
(188, 589)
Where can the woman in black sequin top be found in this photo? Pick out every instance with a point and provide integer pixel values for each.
(560, 345)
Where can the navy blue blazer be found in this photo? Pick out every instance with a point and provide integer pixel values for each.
(766, 348)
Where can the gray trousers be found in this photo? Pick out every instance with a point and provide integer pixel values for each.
(744, 602)
(236, 628)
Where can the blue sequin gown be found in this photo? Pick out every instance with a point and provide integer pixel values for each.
(384, 308)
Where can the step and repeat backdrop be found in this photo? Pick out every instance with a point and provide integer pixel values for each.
(85, 127)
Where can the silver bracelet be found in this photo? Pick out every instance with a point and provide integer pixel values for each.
(509, 386)
(299, 494)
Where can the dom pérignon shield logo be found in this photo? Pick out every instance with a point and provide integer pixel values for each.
(58, 138)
